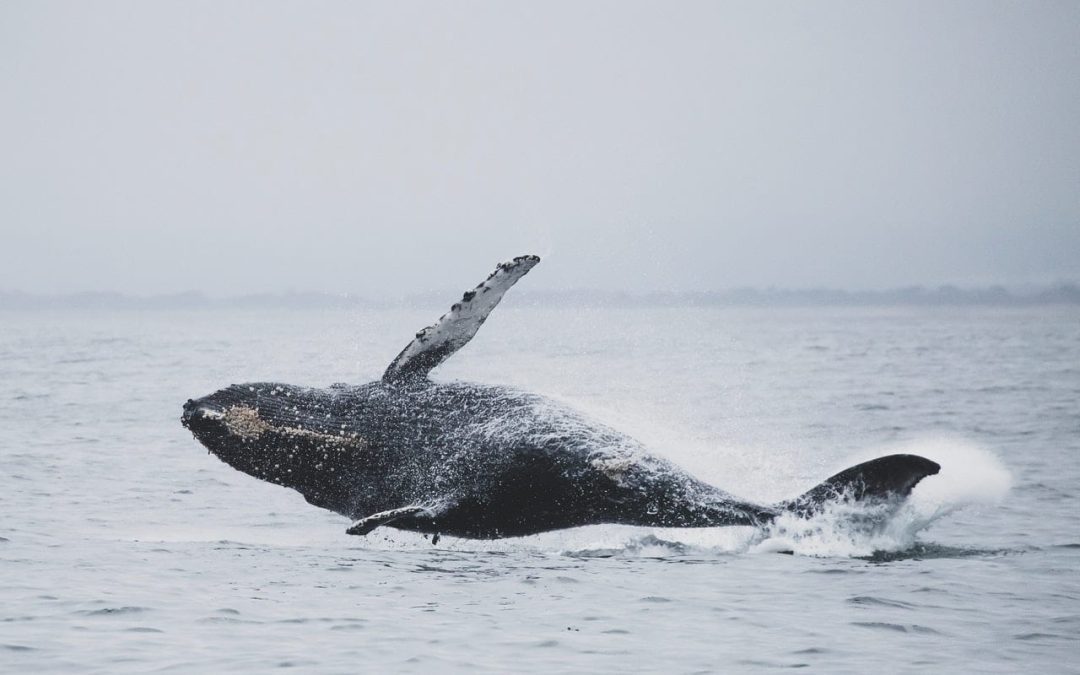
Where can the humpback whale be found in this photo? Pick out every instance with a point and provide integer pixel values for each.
(480, 461)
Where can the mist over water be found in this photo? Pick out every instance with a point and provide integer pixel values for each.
(125, 546)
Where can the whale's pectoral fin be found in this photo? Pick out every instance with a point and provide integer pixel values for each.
(437, 342)
(882, 479)
(365, 525)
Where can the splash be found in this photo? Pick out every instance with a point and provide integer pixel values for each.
(970, 475)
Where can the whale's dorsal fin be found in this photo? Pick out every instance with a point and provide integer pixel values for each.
(437, 342)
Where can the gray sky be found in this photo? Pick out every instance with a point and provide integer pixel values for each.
(235, 147)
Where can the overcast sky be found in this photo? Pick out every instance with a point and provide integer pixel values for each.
(235, 147)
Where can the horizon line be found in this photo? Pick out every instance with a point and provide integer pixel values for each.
(945, 294)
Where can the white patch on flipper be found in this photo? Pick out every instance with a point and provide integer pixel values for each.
(453, 330)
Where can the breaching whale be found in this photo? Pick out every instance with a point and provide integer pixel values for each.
(480, 461)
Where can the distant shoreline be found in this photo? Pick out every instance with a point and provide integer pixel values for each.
(915, 296)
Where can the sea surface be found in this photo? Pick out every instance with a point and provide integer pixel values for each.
(126, 547)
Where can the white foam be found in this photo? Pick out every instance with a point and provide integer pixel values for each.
(969, 475)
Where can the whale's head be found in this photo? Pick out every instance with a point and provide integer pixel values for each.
(278, 433)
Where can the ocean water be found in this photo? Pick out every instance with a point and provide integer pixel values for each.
(125, 547)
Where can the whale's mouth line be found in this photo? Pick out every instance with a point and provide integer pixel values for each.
(244, 422)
